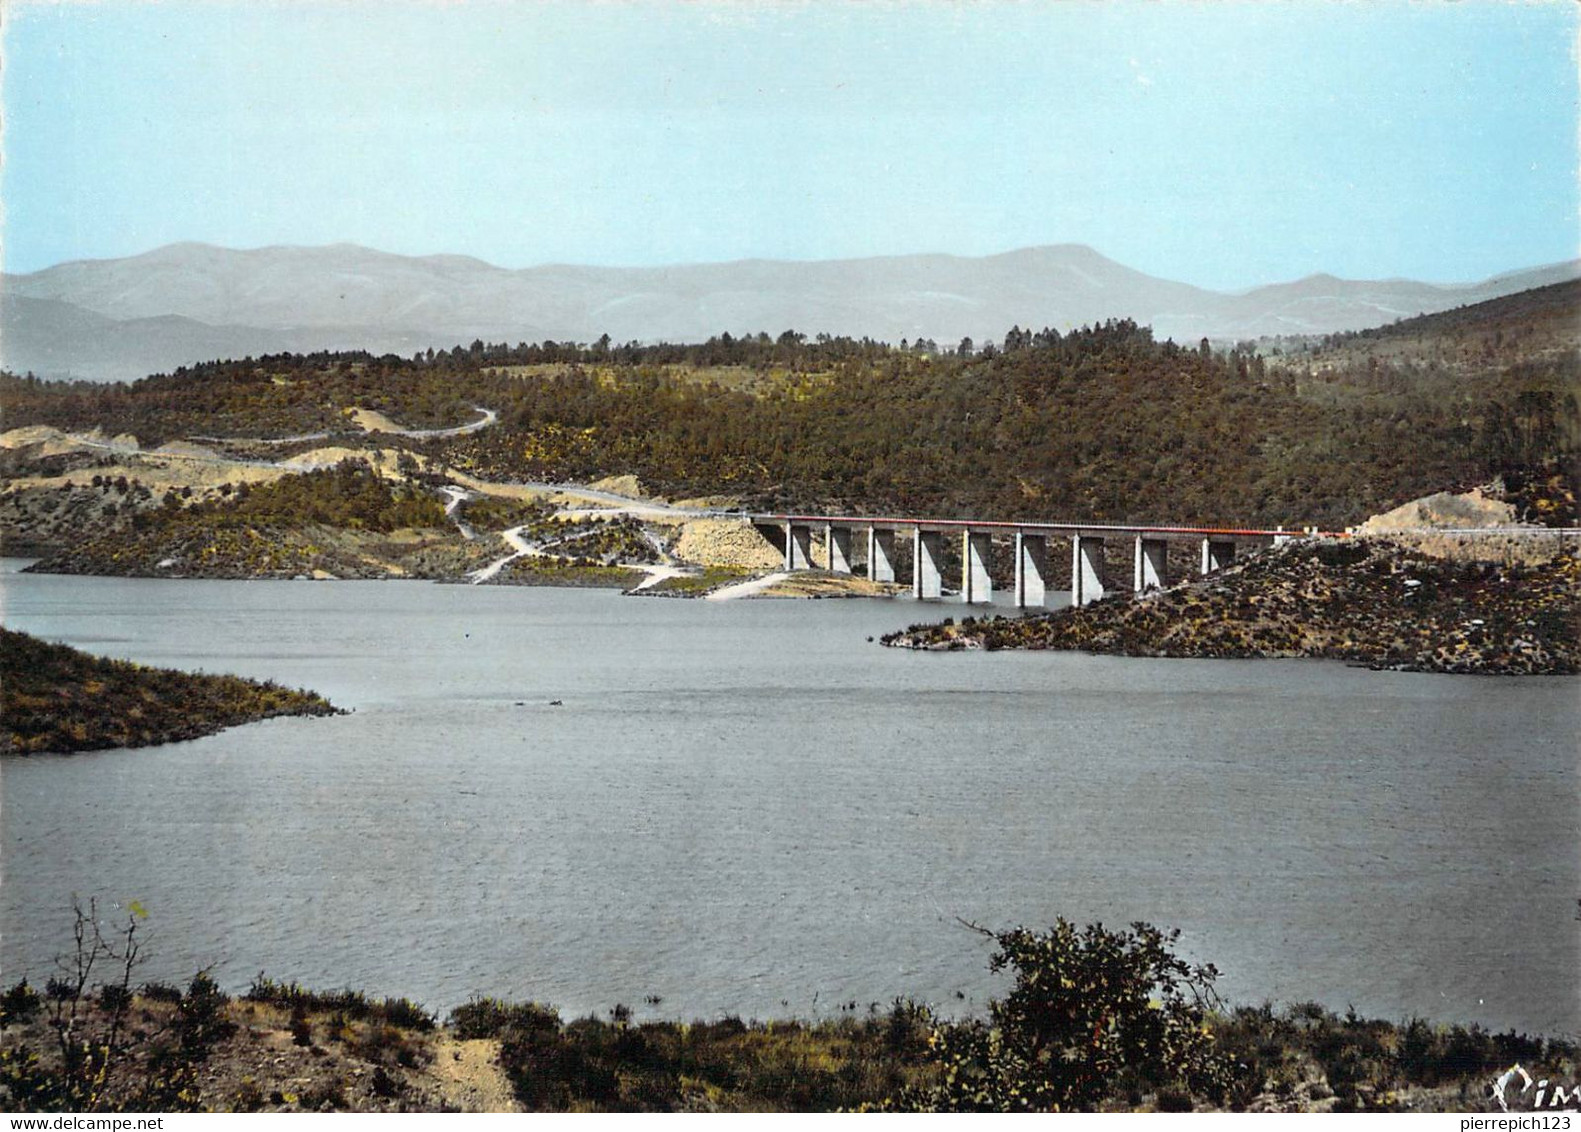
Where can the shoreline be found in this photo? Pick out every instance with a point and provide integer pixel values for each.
(1371, 602)
(817, 586)
(282, 1047)
(60, 700)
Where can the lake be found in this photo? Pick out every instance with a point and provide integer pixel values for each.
(747, 807)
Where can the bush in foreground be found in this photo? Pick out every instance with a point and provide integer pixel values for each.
(1094, 1020)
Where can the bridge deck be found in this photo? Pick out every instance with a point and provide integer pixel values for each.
(1096, 529)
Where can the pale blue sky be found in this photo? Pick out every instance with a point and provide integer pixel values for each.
(1224, 144)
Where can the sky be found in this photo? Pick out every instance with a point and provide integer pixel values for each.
(1226, 144)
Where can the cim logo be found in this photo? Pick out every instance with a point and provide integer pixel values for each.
(1557, 1096)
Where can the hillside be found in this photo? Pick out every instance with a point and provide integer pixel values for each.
(56, 699)
(186, 303)
(1525, 326)
(347, 521)
(1104, 423)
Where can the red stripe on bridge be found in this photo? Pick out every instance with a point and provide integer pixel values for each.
(1074, 528)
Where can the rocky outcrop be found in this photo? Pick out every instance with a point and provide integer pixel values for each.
(1368, 601)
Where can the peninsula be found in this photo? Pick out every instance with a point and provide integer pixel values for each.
(57, 699)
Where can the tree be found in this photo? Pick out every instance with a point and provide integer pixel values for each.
(102, 1061)
(1093, 1014)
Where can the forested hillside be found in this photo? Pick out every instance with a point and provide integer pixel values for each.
(1104, 423)
(350, 495)
(327, 522)
(1528, 324)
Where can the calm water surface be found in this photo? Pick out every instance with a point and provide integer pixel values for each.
(746, 807)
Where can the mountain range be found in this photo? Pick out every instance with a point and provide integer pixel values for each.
(119, 319)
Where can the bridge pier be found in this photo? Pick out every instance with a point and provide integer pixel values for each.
(798, 546)
(1216, 554)
(1219, 547)
(1086, 581)
(1152, 556)
(838, 540)
(880, 555)
(976, 586)
(926, 581)
(1031, 562)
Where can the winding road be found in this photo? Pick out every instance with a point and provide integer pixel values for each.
(486, 418)
(520, 548)
(605, 503)
(749, 588)
(456, 497)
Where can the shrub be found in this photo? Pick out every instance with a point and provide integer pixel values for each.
(386, 1086)
(161, 992)
(549, 1070)
(489, 1018)
(201, 1020)
(405, 1013)
(19, 1004)
(249, 1097)
(349, 1003)
(1093, 1015)
(907, 1028)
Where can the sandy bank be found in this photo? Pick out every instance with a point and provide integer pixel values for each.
(727, 542)
(805, 584)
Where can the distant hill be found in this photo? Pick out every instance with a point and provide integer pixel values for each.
(123, 318)
(1551, 312)
(49, 336)
(1544, 322)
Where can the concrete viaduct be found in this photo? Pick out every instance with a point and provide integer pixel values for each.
(1032, 577)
